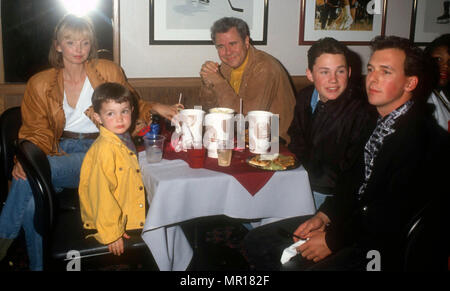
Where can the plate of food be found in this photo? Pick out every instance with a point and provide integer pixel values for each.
(278, 163)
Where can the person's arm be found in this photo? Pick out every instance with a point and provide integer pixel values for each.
(114, 73)
(35, 118)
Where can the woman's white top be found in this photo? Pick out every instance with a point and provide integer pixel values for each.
(441, 112)
(76, 120)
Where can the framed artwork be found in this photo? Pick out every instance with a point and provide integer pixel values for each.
(353, 22)
(429, 20)
(189, 21)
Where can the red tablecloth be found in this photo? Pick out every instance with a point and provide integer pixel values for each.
(253, 179)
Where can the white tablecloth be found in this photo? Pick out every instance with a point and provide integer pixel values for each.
(178, 193)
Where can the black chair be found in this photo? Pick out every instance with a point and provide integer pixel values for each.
(427, 244)
(62, 229)
(10, 122)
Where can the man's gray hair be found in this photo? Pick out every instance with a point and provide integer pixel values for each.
(225, 24)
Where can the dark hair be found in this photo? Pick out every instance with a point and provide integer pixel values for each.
(415, 61)
(326, 45)
(443, 40)
(226, 23)
(111, 92)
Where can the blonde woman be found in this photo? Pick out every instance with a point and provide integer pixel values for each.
(57, 116)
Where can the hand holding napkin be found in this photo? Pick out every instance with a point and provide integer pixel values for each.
(291, 251)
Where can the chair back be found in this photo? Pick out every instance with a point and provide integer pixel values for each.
(426, 245)
(37, 168)
(10, 122)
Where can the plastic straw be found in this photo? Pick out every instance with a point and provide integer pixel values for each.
(179, 100)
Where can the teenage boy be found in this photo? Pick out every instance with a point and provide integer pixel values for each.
(331, 118)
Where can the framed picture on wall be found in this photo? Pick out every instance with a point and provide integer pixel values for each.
(353, 22)
(189, 21)
(429, 20)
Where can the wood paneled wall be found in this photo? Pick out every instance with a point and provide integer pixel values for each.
(163, 90)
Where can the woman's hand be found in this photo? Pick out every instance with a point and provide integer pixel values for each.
(18, 172)
(167, 111)
(117, 247)
(317, 222)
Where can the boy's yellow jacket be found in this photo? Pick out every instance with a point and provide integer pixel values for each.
(112, 195)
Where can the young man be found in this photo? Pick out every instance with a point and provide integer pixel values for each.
(397, 176)
(331, 118)
(247, 73)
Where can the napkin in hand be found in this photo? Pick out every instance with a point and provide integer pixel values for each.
(291, 251)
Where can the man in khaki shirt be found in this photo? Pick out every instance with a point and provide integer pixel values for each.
(247, 73)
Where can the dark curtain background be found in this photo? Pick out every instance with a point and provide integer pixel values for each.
(27, 27)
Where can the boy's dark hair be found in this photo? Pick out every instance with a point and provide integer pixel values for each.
(326, 45)
(111, 92)
(226, 23)
(415, 61)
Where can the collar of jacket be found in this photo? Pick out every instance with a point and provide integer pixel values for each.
(339, 103)
(110, 136)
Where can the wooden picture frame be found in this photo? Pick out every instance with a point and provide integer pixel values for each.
(318, 20)
(181, 22)
(424, 24)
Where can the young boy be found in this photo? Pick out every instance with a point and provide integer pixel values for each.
(112, 195)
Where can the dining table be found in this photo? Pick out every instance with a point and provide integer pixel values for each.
(177, 193)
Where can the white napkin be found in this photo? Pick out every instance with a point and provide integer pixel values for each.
(291, 251)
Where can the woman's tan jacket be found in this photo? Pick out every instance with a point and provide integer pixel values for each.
(43, 117)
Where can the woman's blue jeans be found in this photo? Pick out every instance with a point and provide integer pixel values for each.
(18, 210)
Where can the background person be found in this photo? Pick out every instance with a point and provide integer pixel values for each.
(439, 51)
(247, 73)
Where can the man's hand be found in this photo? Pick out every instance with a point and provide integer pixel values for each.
(210, 73)
(117, 247)
(317, 222)
(18, 172)
(315, 248)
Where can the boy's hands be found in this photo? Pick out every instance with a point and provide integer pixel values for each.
(117, 247)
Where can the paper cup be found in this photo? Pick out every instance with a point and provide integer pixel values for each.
(218, 126)
(192, 127)
(221, 110)
(259, 131)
